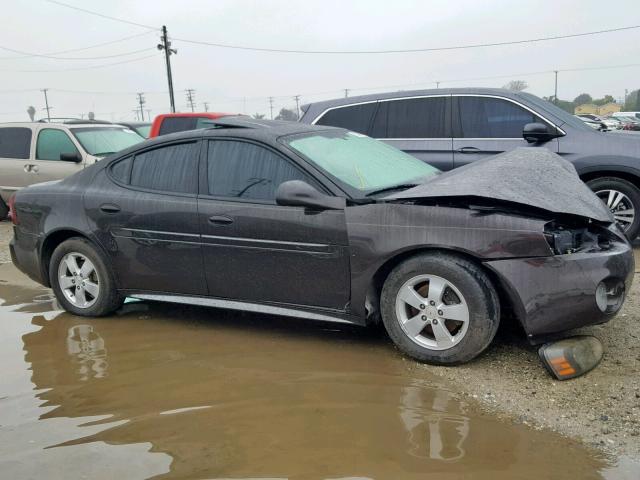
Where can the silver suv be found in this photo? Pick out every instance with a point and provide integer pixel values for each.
(34, 152)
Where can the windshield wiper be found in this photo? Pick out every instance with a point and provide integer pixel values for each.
(402, 186)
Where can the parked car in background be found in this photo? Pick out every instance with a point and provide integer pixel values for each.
(612, 123)
(449, 128)
(326, 224)
(629, 123)
(595, 124)
(141, 128)
(180, 122)
(35, 152)
(634, 115)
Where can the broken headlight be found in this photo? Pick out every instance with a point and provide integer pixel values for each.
(565, 239)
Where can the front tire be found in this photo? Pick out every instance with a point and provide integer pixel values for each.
(81, 280)
(623, 199)
(440, 308)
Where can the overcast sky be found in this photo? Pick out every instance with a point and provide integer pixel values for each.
(241, 81)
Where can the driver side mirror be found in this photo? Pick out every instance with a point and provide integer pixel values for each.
(296, 193)
(71, 157)
(537, 133)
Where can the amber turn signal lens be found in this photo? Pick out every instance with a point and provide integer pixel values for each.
(571, 357)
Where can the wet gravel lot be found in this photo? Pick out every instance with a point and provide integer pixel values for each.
(144, 388)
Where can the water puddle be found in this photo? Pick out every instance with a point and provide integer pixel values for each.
(165, 391)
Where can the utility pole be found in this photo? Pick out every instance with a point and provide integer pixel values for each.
(555, 94)
(346, 92)
(141, 102)
(190, 98)
(136, 112)
(437, 84)
(148, 110)
(168, 51)
(46, 102)
(297, 99)
(271, 106)
(206, 106)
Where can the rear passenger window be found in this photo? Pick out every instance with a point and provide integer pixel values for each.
(245, 170)
(356, 118)
(15, 142)
(177, 124)
(173, 168)
(487, 117)
(413, 118)
(120, 170)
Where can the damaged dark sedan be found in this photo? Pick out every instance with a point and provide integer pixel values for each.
(326, 224)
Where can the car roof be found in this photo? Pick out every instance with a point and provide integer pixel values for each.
(408, 93)
(70, 125)
(212, 115)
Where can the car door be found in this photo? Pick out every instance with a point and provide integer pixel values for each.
(258, 251)
(52, 145)
(15, 148)
(144, 211)
(420, 126)
(485, 125)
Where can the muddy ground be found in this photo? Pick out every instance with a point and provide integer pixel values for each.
(601, 409)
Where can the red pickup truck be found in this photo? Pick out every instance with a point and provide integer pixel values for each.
(179, 122)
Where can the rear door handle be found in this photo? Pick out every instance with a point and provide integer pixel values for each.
(31, 168)
(109, 208)
(220, 220)
(468, 150)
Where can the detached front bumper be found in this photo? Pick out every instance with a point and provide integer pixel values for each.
(557, 293)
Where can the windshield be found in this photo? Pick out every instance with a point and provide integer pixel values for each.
(101, 141)
(360, 162)
(144, 130)
(561, 115)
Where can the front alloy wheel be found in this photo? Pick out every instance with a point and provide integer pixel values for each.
(432, 312)
(439, 307)
(620, 206)
(622, 198)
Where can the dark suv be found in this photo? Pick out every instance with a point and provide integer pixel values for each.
(449, 128)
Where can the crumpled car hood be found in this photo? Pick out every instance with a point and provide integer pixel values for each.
(533, 177)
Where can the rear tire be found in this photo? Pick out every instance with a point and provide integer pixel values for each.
(81, 280)
(4, 210)
(629, 194)
(454, 316)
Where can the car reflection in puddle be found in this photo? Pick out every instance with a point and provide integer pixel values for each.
(86, 347)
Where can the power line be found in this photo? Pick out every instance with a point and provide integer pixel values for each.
(121, 20)
(89, 47)
(355, 52)
(42, 55)
(412, 50)
(81, 68)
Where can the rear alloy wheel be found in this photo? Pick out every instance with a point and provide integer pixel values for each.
(623, 200)
(440, 308)
(81, 280)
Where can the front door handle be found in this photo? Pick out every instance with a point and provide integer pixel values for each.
(220, 220)
(468, 150)
(109, 208)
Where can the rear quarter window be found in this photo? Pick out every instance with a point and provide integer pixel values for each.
(15, 142)
(177, 124)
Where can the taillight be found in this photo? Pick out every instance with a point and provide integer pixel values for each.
(13, 215)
